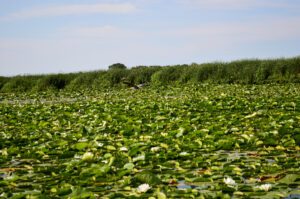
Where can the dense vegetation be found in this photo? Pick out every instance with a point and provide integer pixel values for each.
(216, 130)
(200, 141)
(242, 72)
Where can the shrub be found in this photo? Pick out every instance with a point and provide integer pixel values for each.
(19, 84)
(167, 75)
(54, 82)
(241, 71)
(142, 74)
(115, 76)
(83, 81)
(102, 81)
(3, 81)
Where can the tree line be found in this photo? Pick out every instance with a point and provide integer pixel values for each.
(285, 70)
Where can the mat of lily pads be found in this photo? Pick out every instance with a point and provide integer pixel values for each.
(204, 141)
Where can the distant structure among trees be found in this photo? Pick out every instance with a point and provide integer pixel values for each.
(117, 66)
(132, 85)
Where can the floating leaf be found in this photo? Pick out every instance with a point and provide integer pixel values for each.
(147, 177)
(111, 148)
(129, 166)
(289, 178)
(81, 145)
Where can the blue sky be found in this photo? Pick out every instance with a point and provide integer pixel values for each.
(53, 36)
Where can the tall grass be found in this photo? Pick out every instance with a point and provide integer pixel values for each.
(238, 72)
(54, 81)
(84, 81)
(3, 81)
(20, 84)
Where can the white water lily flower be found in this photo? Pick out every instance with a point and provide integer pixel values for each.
(123, 148)
(229, 181)
(87, 156)
(143, 188)
(155, 149)
(63, 135)
(83, 140)
(99, 144)
(264, 187)
(105, 161)
(183, 153)
(77, 156)
(138, 158)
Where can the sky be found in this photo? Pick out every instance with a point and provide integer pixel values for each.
(61, 36)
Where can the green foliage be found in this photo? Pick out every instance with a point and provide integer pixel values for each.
(177, 142)
(19, 84)
(114, 77)
(84, 81)
(102, 82)
(54, 82)
(3, 80)
(142, 74)
(117, 66)
(236, 72)
(146, 177)
(167, 75)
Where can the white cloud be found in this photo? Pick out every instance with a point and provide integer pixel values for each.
(95, 47)
(236, 4)
(75, 9)
(261, 30)
(98, 32)
(101, 31)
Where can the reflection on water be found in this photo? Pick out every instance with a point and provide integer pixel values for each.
(293, 196)
(181, 185)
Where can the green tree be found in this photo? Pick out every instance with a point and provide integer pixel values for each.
(117, 66)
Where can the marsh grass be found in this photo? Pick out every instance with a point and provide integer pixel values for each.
(236, 72)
